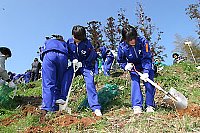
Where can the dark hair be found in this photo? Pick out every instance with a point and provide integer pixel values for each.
(79, 32)
(36, 59)
(9, 73)
(5, 51)
(129, 33)
(57, 37)
(174, 54)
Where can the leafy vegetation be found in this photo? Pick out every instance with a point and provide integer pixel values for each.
(118, 115)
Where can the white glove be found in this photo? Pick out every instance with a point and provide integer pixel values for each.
(75, 61)
(69, 63)
(128, 66)
(79, 64)
(144, 77)
(11, 84)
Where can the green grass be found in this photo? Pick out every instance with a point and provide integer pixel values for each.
(118, 115)
(20, 125)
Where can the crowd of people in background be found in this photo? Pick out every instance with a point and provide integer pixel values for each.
(30, 75)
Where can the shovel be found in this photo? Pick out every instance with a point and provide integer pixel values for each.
(65, 106)
(173, 97)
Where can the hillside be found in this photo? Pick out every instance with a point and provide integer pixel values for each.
(21, 114)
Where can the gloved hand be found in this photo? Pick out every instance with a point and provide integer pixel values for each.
(69, 63)
(11, 84)
(144, 77)
(79, 64)
(128, 66)
(75, 61)
(76, 64)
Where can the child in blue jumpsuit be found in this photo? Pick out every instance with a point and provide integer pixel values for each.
(54, 67)
(27, 76)
(108, 59)
(134, 51)
(81, 49)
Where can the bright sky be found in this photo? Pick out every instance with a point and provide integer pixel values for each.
(25, 23)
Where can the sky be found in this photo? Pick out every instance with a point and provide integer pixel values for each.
(25, 23)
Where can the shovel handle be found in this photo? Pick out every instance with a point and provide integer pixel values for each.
(154, 84)
(70, 88)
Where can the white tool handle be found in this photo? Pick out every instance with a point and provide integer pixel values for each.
(154, 84)
(70, 88)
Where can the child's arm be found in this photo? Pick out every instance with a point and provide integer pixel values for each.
(121, 59)
(147, 56)
(93, 55)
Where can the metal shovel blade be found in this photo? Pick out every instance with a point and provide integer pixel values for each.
(176, 99)
(65, 108)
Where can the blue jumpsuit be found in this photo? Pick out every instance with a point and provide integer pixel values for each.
(141, 57)
(54, 67)
(96, 67)
(27, 77)
(84, 53)
(16, 77)
(108, 59)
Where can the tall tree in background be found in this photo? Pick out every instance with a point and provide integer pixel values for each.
(122, 21)
(193, 12)
(111, 33)
(150, 32)
(95, 33)
(185, 49)
(113, 29)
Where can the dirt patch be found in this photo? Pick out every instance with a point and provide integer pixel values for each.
(192, 110)
(10, 120)
(37, 129)
(86, 121)
(167, 116)
(29, 109)
(67, 120)
(64, 121)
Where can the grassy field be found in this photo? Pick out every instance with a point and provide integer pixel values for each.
(22, 114)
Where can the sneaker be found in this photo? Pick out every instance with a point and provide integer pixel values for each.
(97, 112)
(150, 109)
(137, 110)
(60, 101)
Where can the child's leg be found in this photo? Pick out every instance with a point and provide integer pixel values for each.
(96, 69)
(150, 90)
(91, 89)
(136, 94)
(66, 82)
(48, 82)
(108, 64)
(61, 68)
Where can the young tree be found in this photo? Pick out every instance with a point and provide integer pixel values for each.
(149, 31)
(111, 33)
(193, 12)
(122, 21)
(94, 32)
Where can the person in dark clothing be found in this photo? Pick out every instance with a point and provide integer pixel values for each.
(177, 58)
(36, 66)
